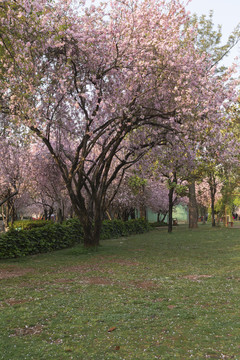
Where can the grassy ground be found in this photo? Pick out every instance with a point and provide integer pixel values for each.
(151, 296)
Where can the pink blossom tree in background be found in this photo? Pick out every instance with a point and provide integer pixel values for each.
(100, 86)
(13, 171)
(46, 186)
(204, 196)
(169, 167)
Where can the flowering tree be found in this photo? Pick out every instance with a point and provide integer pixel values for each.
(100, 86)
(13, 159)
(46, 186)
(220, 145)
(169, 167)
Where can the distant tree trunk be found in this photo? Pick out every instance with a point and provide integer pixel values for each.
(193, 212)
(71, 212)
(142, 212)
(45, 214)
(12, 213)
(59, 216)
(213, 209)
(170, 209)
(213, 190)
(5, 216)
(132, 213)
(170, 201)
(8, 210)
(164, 217)
(50, 212)
(125, 215)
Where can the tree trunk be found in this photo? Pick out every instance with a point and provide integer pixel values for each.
(45, 214)
(213, 209)
(59, 215)
(8, 197)
(193, 212)
(132, 214)
(6, 216)
(170, 209)
(172, 184)
(91, 232)
(91, 222)
(142, 212)
(213, 190)
(164, 217)
(125, 215)
(12, 213)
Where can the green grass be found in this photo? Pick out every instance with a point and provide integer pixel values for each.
(163, 296)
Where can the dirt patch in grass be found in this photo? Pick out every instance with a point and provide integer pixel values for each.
(159, 300)
(31, 330)
(83, 269)
(12, 302)
(80, 268)
(233, 278)
(98, 281)
(115, 260)
(122, 262)
(148, 284)
(196, 277)
(64, 281)
(100, 267)
(13, 272)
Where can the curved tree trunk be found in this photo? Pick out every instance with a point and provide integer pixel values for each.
(8, 197)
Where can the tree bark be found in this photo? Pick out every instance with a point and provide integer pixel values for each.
(59, 215)
(172, 185)
(170, 209)
(8, 197)
(213, 190)
(193, 212)
(91, 232)
(132, 213)
(213, 209)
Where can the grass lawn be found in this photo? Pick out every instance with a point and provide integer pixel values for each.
(151, 296)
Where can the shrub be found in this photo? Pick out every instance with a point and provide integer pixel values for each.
(118, 228)
(29, 224)
(51, 236)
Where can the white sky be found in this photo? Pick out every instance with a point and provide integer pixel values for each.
(225, 13)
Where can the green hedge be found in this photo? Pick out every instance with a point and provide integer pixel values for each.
(29, 224)
(51, 237)
(118, 228)
(16, 243)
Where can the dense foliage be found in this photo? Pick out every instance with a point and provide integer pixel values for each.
(16, 243)
(98, 87)
(29, 224)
